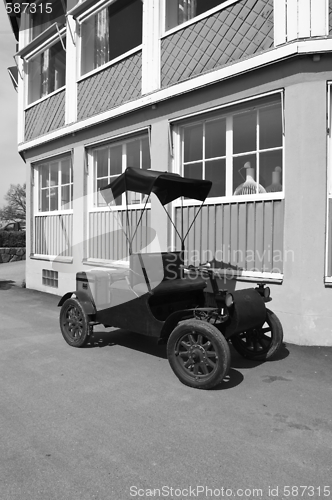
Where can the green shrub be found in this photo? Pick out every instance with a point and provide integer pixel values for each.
(12, 239)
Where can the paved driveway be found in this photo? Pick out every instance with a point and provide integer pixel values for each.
(111, 421)
(13, 272)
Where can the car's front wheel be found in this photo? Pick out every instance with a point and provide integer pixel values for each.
(198, 354)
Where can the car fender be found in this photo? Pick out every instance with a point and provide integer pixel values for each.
(172, 321)
(84, 298)
(247, 312)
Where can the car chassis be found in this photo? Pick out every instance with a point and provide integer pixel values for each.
(161, 297)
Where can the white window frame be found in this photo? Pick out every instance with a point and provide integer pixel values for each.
(90, 12)
(194, 20)
(226, 111)
(37, 188)
(60, 36)
(328, 251)
(122, 140)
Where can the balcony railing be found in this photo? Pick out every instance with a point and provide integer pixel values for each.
(299, 19)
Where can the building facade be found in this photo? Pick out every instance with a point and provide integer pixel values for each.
(235, 91)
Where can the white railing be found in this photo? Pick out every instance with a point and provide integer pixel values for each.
(247, 235)
(107, 230)
(298, 19)
(53, 235)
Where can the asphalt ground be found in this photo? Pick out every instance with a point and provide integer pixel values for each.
(111, 421)
(13, 273)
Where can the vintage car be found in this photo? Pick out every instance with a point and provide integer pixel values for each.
(159, 296)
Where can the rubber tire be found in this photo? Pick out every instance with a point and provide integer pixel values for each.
(84, 337)
(275, 344)
(220, 346)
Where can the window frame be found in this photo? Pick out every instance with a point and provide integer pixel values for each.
(122, 141)
(58, 37)
(37, 189)
(228, 113)
(80, 19)
(208, 13)
(328, 242)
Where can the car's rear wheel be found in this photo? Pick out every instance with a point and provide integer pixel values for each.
(260, 343)
(198, 354)
(74, 323)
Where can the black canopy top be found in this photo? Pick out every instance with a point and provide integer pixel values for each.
(166, 186)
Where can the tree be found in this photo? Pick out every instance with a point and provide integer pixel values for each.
(15, 210)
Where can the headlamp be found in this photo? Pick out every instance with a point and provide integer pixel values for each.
(229, 300)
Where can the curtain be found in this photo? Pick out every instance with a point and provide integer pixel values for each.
(102, 52)
(45, 82)
(186, 10)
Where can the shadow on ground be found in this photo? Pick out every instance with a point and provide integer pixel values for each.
(150, 346)
(240, 362)
(6, 284)
(128, 339)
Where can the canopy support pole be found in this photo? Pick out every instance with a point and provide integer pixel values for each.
(179, 235)
(128, 226)
(140, 218)
(118, 220)
(191, 225)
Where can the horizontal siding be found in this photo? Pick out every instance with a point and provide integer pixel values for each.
(106, 236)
(53, 235)
(46, 116)
(110, 87)
(238, 31)
(244, 236)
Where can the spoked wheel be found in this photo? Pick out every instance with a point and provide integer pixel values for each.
(198, 354)
(74, 323)
(260, 343)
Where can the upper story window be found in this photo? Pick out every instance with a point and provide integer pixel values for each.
(241, 153)
(180, 11)
(47, 13)
(46, 71)
(110, 33)
(55, 182)
(111, 160)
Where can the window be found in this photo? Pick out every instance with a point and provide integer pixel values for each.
(50, 278)
(111, 160)
(46, 14)
(46, 72)
(204, 151)
(110, 33)
(55, 185)
(240, 153)
(180, 11)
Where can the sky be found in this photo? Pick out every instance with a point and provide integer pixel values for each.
(12, 167)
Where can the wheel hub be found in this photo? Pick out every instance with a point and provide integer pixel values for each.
(197, 353)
